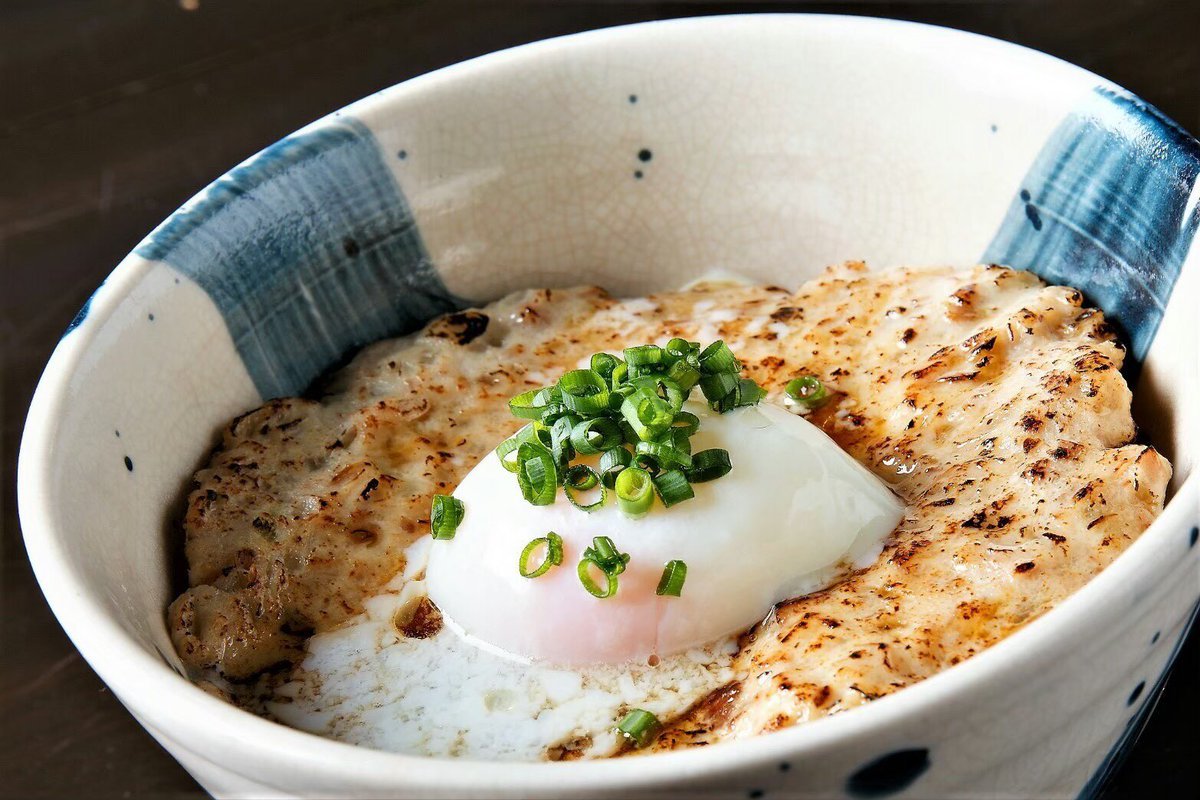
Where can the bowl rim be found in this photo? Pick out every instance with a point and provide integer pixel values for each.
(173, 707)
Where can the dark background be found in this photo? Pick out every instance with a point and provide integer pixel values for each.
(113, 112)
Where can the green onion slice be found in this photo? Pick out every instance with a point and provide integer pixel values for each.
(553, 413)
(673, 487)
(749, 393)
(584, 391)
(808, 390)
(582, 478)
(639, 727)
(560, 439)
(445, 516)
(605, 553)
(671, 582)
(635, 491)
(595, 435)
(643, 358)
(612, 462)
(666, 452)
(681, 348)
(718, 358)
(647, 413)
(603, 365)
(549, 547)
(619, 375)
(663, 387)
(536, 474)
(585, 570)
(684, 374)
(509, 447)
(686, 423)
(708, 465)
(719, 386)
(532, 404)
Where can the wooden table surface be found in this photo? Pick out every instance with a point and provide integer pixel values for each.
(113, 112)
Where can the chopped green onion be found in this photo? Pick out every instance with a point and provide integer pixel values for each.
(630, 413)
(595, 435)
(619, 375)
(665, 452)
(528, 405)
(552, 557)
(717, 358)
(536, 474)
(647, 413)
(647, 462)
(673, 487)
(590, 480)
(605, 553)
(560, 439)
(603, 365)
(635, 491)
(445, 516)
(510, 445)
(553, 413)
(719, 386)
(708, 465)
(663, 387)
(584, 570)
(749, 393)
(726, 391)
(581, 477)
(639, 727)
(584, 392)
(643, 359)
(612, 462)
(684, 374)
(681, 348)
(808, 391)
(671, 582)
(685, 422)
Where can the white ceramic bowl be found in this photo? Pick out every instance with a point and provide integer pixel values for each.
(638, 157)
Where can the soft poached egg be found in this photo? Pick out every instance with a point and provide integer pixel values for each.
(794, 515)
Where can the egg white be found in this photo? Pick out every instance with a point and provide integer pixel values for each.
(793, 515)
(366, 684)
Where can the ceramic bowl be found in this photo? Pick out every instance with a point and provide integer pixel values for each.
(638, 157)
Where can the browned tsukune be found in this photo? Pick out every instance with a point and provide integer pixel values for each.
(992, 404)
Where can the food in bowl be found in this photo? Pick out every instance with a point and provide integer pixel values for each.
(989, 407)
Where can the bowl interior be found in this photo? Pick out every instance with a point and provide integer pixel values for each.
(636, 160)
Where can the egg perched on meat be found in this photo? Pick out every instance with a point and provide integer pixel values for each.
(539, 667)
(550, 619)
(793, 514)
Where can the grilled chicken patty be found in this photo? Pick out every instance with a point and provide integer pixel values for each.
(992, 404)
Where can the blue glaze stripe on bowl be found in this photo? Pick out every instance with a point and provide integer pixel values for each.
(1108, 208)
(309, 251)
(1116, 756)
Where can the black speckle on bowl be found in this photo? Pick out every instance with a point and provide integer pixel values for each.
(645, 155)
(888, 774)
(1136, 693)
(129, 463)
